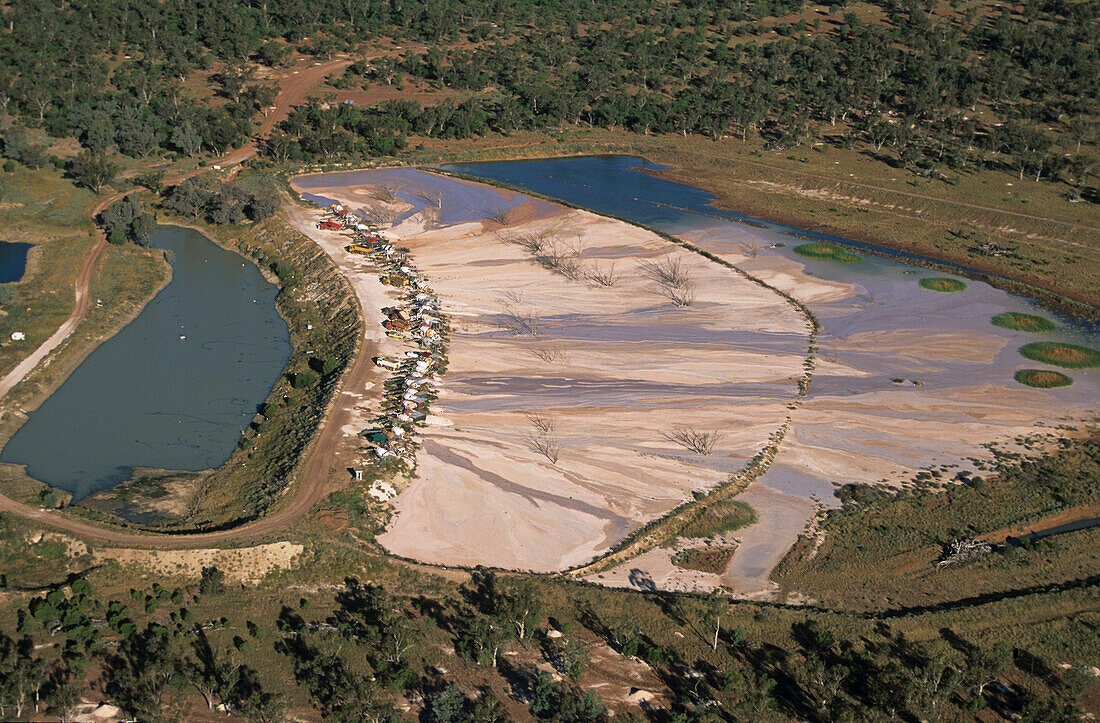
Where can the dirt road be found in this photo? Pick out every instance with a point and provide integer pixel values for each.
(311, 485)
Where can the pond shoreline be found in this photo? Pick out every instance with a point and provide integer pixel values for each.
(1050, 297)
(160, 382)
(62, 362)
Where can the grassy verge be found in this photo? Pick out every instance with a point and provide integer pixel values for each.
(882, 552)
(828, 252)
(1018, 321)
(1069, 356)
(713, 560)
(1042, 378)
(942, 285)
(718, 517)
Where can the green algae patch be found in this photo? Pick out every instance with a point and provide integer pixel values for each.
(1023, 322)
(1042, 378)
(943, 285)
(828, 252)
(1068, 356)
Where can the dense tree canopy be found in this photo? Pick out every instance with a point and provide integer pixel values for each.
(932, 87)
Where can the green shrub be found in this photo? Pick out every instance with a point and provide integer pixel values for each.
(1023, 322)
(828, 252)
(1068, 356)
(942, 285)
(719, 517)
(1042, 378)
(304, 379)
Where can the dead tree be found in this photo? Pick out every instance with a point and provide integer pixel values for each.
(431, 196)
(699, 441)
(560, 258)
(667, 271)
(601, 276)
(543, 440)
(546, 446)
(960, 551)
(519, 322)
(384, 193)
(550, 356)
(383, 215)
(672, 280)
(516, 319)
(679, 296)
(503, 216)
(541, 422)
(531, 243)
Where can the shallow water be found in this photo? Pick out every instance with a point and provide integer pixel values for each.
(887, 329)
(175, 388)
(458, 202)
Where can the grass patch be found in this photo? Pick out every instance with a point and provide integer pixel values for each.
(1068, 356)
(719, 517)
(828, 252)
(1042, 378)
(881, 551)
(1023, 322)
(943, 285)
(704, 559)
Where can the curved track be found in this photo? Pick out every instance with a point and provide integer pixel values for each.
(311, 487)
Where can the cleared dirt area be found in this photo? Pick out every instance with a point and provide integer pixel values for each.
(555, 431)
(245, 564)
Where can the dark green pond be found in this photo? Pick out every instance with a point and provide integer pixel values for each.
(172, 390)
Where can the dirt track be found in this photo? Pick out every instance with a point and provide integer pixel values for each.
(311, 486)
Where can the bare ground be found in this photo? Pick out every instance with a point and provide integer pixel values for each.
(612, 369)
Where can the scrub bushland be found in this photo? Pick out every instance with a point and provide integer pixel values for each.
(880, 550)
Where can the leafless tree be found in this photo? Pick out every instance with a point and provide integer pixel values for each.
(602, 276)
(541, 422)
(503, 216)
(384, 215)
(511, 297)
(699, 441)
(561, 258)
(681, 296)
(515, 317)
(431, 196)
(384, 193)
(532, 243)
(542, 439)
(551, 357)
(546, 446)
(667, 271)
(520, 323)
(672, 279)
